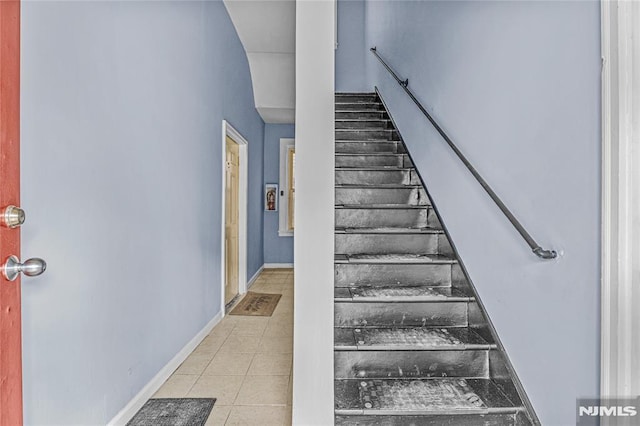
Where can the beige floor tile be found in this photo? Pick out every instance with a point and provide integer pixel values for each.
(270, 365)
(177, 386)
(276, 345)
(223, 388)
(218, 416)
(272, 287)
(284, 308)
(288, 421)
(209, 346)
(195, 363)
(250, 326)
(240, 344)
(229, 364)
(256, 416)
(290, 391)
(277, 330)
(263, 390)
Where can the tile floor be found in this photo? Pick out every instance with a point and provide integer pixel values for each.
(245, 362)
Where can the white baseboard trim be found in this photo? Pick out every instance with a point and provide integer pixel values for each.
(277, 265)
(254, 277)
(150, 388)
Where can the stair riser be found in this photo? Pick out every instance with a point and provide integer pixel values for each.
(364, 115)
(372, 177)
(411, 364)
(384, 275)
(389, 243)
(363, 135)
(442, 420)
(400, 314)
(411, 196)
(376, 177)
(385, 218)
(364, 124)
(370, 160)
(356, 97)
(366, 147)
(359, 106)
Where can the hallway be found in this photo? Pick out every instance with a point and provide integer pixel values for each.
(245, 362)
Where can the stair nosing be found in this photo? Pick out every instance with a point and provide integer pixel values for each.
(383, 206)
(426, 348)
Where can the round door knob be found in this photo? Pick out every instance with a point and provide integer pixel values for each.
(12, 217)
(31, 267)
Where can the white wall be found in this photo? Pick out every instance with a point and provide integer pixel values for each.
(122, 104)
(313, 245)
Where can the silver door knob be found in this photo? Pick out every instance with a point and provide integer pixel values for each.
(31, 267)
(12, 217)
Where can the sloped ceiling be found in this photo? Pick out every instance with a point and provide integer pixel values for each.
(267, 31)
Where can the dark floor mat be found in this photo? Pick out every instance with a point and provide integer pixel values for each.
(257, 304)
(173, 412)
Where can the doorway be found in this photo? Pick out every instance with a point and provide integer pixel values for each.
(234, 215)
(231, 237)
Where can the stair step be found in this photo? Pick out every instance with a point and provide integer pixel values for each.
(372, 176)
(399, 293)
(385, 216)
(386, 231)
(366, 96)
(443, 313)
(364, 123)
(365, 115)
(421, 397)
(426, 241)
(410, 339)
(423, 362)
(371, 195)
(367, 134)
(491, 419)
(385, 275)
(373, 160)
(366, 147)
(358, 106)
(402, 258)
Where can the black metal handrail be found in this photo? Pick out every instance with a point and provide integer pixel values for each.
(535, 247)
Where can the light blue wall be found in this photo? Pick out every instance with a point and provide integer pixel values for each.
(517, 86)
(122, 104)
(350, 54)
(276, 249)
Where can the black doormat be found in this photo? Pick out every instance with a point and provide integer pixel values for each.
(173, 412)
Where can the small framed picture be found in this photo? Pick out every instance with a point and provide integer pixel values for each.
(271, 197)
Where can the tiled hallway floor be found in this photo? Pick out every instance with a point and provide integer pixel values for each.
(245, 362)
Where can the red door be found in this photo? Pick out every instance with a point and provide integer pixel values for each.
(10, 333)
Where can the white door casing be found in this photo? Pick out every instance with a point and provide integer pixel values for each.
(230, 131)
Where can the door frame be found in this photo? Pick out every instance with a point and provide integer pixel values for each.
(229, 131)
(620, 322)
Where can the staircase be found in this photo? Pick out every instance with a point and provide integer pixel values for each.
(412, 344)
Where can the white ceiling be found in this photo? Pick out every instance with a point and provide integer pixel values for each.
(267, 31)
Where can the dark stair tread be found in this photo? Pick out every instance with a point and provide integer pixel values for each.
(434, 396)
(461, 419)
(384, 206)
(400, 293)
(375, 169)
(374, 154)
(394, 258)
(373, 140)
(390, 230)
(409, 339)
